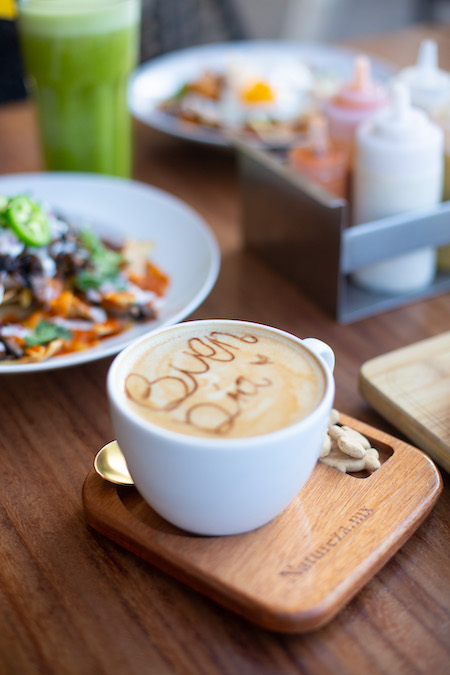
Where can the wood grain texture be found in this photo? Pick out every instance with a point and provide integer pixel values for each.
(411, 388)
(72, 602)
(298, 571)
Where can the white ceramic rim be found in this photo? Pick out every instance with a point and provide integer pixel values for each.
(221, 443)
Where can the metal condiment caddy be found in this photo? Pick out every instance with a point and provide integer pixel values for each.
(303, 231)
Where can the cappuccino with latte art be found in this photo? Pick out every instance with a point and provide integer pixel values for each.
(224, 382)
(221, 422)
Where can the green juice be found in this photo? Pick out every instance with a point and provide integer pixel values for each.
(78, 55)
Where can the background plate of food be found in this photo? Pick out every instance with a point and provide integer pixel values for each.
(263, 91)
(90, 262)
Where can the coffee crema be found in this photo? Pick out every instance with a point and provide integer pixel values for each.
(223, 381)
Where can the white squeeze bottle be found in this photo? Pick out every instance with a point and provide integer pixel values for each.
(428, 85)
(398, 167)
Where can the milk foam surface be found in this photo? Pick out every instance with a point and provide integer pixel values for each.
(224, 381)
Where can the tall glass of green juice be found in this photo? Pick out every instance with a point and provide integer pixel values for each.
(78, 55)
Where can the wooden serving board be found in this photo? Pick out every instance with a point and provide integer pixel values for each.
(410, 387)
(295, 573)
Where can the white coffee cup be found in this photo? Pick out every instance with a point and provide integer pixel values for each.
(210, 482)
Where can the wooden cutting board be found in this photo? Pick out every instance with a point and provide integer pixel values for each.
(410, 387)
(295, 573)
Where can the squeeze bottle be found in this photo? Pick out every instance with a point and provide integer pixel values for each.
(443, 119)
(398, 168)
(429, 86)
(321, 160)
(354, 102)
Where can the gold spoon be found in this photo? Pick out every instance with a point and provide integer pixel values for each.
(110, 464)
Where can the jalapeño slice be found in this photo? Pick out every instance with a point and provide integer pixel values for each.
(4, 201)
(28, 221)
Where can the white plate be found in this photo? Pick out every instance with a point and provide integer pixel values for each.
(184, 248)
(160, 78)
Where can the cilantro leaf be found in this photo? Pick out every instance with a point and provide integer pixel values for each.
(46, 332)
(181, 92)
(90, 240)
(104, 263)
(87, 279)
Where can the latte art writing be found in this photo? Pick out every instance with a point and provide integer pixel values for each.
(224, 383)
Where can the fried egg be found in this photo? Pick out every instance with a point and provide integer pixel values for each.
(281, 93)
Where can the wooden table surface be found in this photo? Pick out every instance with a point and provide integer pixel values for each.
(72, 601)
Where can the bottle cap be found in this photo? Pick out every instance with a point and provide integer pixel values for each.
(320, 159)
(318, 135)
(400, 136)
(318, 150)
(362, 91)
(354, 103)
(401, 122)
(429, 86)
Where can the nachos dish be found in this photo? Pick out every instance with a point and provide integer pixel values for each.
(64, 289)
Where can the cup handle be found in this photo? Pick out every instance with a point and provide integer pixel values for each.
(322, 350)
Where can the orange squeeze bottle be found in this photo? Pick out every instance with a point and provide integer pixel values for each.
(320, 159)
